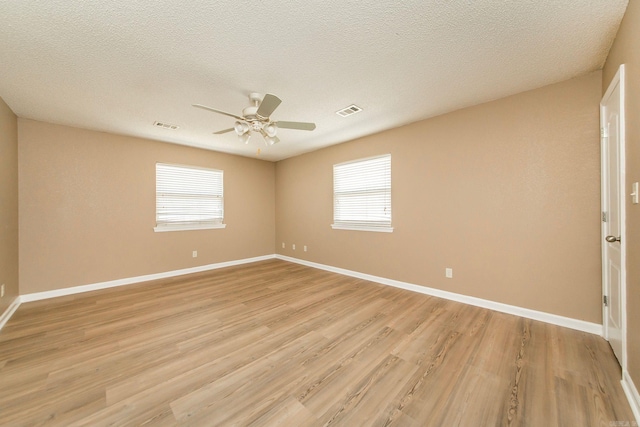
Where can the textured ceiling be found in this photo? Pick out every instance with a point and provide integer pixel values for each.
(118, 66)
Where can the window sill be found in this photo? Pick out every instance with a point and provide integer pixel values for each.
(356, 228)
(187, 227)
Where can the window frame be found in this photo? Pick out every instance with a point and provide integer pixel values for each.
(361, 225)
(193, 225)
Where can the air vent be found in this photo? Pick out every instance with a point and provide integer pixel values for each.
(165, 125)
(351, 109)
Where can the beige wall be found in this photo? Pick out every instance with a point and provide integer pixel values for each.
(506, 193)
(87, 208)
(626, 50)
(8, 205)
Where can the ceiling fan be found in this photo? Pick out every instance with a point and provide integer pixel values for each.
(256, 118)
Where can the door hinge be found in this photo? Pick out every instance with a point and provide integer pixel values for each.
(604, 132)
(605, 300)
(604, 217)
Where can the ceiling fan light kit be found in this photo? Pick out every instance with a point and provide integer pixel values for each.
(256, 118)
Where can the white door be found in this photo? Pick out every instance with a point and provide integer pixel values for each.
(612, 132)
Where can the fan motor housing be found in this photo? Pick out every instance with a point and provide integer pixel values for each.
(250, 112)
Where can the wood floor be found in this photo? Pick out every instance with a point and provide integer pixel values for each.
(275, 343)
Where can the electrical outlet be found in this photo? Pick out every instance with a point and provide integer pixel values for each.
(2, 291)
(282, 245)
(293, 246)
(448, 273)
(195, 254)
(305, 248)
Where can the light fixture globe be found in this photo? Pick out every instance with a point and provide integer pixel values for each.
(270, 139)
(244, 138)
(241, 128)
(271, 129)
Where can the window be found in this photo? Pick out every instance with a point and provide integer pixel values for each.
(188, 198)
(362, 194)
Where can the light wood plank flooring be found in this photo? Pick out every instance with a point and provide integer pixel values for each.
(275, 343)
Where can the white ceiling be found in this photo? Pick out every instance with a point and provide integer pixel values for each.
(120, 65)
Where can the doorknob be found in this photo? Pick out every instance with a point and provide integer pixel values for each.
(612, 239)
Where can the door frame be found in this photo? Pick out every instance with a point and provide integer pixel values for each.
(618, 79)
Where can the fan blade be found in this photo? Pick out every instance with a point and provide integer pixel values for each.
(268, 105)
(296, 125)
(220, 132)
(204, 107)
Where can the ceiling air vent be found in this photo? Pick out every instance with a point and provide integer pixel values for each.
(165, 125)
(351, 109)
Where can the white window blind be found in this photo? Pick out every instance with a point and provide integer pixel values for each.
(188, 198)
(362, 194)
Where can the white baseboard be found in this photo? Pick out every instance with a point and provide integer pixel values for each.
(627, 383)
(567, 322)
(9, 311)
(554, 319)
(632, 394)
(128, 281)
